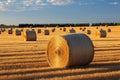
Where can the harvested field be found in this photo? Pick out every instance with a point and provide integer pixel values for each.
(22, 60)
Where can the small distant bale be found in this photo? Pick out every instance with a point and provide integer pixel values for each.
(84, 29)
(18, 32)
(53, 30)
(39, 31)
(70, 50)
(30, 35)
(96, 27)
(88, 31)
(2, 29)
(108, 30)
(60, 28)
(64, 29)
(80, 28)
(46, 32)
(22, 30)
(10, 31)
(101, 33)
(72, 30)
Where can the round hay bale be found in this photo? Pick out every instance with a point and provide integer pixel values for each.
(18, 32)
(30, 35)
(46, 32)
(64, 29)
(10, 31)
(80, 28)
(53, 30)
(39, 31)
(60, 28)
(96, 27)
(2, 29)
(72, 30)
(88, 31)
(101, 33)
(70, 50)
(84, 29)
(109, 30)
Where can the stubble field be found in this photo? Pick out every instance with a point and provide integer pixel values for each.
(21, 60)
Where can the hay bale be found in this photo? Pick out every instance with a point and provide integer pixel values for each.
(30, 35)
(72, 31)
(80, 28)
(18, 32)
(39, 31)
(108, 30)
(2, 29)
(88, 31)
(84, 29)
(64, 29)
(53, 30)
(70, 50)
(60, 28)
(96, 27)
(10, 31)
(101, 33)
(46, 32)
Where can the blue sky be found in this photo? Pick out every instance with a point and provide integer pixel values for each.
(59, 11)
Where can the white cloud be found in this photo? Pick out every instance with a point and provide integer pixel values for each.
(60, 2)
(21, 5)
(114, 3)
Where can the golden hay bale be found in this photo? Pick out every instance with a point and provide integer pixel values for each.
(18, 32)
(10, 31)
(64, 29)
(84, 29)
(96, 27)
(70, 50)
(101, 33)
(39, 31)
(80, 28)
(72, 30)
(53, 30)
(46, 32)
(2, 29)
(88, 32)
(30, 35)
(109, 30)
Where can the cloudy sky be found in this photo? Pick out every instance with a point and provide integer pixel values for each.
(59, 11)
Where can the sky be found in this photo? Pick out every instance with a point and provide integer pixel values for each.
(58, 11)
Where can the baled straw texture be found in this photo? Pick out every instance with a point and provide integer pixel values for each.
(18, 32)
(101, 33)
(88, 31)
(72, 30)
(39, 31)
(10, 31)
(53, 30)
(46, 32)
(109, 30)
(30, 35)
(70, 50)
(64, 29)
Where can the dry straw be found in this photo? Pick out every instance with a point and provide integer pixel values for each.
(39, 31)
(70, 50)
(10, 31)
(88, 31)
(53, 30)
(101, 33)
(109, 30)
(18, 32)
(72, 30)
(46, 32)
(30, 35)
(64, 29)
